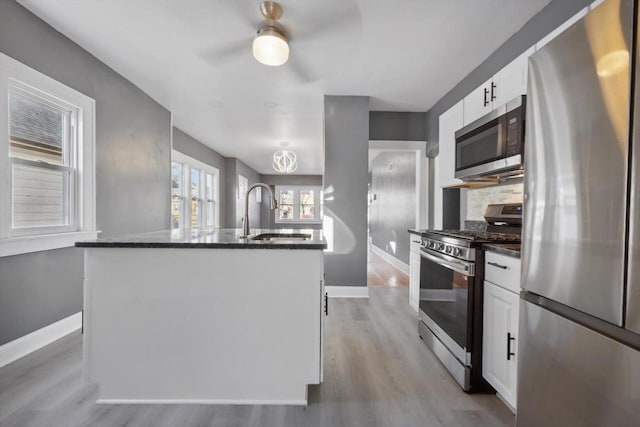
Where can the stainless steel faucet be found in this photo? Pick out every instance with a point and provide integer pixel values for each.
(274, 205)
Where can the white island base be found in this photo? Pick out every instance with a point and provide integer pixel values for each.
(184, 325)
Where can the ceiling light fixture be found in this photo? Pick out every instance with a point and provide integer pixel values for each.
(285, 161)
(271, 46)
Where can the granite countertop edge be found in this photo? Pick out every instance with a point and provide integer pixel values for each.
(212, 238)
(418, 232)
(508, 249)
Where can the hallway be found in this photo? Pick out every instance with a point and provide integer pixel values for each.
(381, 273)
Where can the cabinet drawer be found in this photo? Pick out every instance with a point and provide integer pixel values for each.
(502, 270)
(414, 243)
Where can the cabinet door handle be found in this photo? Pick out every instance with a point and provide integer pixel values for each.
(509, 339)
(493, 91)
(486, 94)
(416, 241)
(326, 303)
(495, 264)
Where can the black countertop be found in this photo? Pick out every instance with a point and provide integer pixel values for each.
(418, 232)
(208, 238)
(509, 249)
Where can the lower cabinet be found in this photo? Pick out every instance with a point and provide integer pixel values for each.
(500, 340)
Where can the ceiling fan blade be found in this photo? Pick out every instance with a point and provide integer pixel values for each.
(301, 71)
(222, 55)
(247, 11)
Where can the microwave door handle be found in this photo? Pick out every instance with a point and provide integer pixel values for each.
(451, 263)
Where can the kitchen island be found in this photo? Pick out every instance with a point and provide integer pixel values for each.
(204, 316)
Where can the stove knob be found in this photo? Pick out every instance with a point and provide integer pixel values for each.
(441, 246)
(457, 252)
(449, 249)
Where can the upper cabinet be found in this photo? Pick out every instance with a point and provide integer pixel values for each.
(511, 81)
(450, 122)
(507, 84)
(555, 33)
(479, 102)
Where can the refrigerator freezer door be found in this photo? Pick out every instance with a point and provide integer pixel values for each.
(570, 376)
(632, 322)
(576, 164)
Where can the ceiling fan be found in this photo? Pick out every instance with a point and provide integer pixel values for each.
(271, 45)
(273, 41)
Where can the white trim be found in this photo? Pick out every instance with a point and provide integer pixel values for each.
(22, 346)
(199, 402)
(43, 242)
(14, 74)
(189, 163)
(318, 191)
(347, 291)
(390, 259)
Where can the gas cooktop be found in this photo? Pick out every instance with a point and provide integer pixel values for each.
(477, 236)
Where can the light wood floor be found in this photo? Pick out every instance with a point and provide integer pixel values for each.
(381, 273)
(377, 373)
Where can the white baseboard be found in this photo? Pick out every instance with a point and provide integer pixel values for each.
(390, 259)
(22, 346)
(198, 402)
(347, 291)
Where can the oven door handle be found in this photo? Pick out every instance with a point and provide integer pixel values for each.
(451, 263)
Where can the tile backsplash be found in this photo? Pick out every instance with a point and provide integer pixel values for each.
(479, 198)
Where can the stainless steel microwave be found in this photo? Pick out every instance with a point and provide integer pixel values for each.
(492, 147)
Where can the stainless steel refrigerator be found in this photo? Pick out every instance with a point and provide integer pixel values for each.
(579, 340)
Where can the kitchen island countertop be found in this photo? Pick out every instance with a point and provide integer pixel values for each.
(208, 238)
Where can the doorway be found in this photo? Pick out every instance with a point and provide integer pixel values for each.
(397, 202)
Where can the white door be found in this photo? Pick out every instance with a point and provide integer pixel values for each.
(414, 279)
(450, 122)
(511, 81)
(477, 103)
(500, 341)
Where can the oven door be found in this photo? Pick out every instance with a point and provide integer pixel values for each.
(445, 306)
(481, 146)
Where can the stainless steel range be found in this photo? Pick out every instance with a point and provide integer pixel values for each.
(451, 289)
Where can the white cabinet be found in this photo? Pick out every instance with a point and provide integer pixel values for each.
(511, 81)
(507, 84)
(553, 34)
(499, 340)
(450, 122)
(478, 103)
(500, 324)
(414, 271)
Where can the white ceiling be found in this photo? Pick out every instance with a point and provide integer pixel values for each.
(404, 54)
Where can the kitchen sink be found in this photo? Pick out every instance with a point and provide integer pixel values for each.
(281, 237)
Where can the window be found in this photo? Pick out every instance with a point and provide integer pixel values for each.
(299, 204)
(47, 192)
(197, 183)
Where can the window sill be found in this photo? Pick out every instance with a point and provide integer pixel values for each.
(43, 242)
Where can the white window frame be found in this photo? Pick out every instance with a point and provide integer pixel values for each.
(18, 77)
(317, 192)
(189, 163)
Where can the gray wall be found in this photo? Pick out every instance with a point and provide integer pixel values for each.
(393, 212)
(190, 146)
(397, 126)
(234, 209)
(268, 216)
(133, 147)
(548, 19)
(346, 151)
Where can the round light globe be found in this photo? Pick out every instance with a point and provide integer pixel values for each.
(270, 47)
